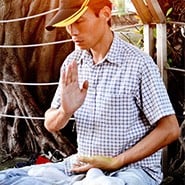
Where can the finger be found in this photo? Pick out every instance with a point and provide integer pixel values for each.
(81, 169)
(85, 85)
(63, 77)
(68, 76)
(78, 163)
(74, 71)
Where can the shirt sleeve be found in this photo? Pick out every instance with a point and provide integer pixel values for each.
(153, 98)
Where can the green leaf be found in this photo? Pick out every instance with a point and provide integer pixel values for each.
(169, 11)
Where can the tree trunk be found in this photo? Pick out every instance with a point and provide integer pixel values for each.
(34, 64)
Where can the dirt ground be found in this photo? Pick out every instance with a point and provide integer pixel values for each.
(6, 163)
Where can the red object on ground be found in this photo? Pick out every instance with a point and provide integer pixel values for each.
(41, 160)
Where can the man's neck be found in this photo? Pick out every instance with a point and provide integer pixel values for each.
(100, 51)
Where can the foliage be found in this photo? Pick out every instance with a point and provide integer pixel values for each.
(119, 5)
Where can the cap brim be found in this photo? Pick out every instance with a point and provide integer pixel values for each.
(60, 15)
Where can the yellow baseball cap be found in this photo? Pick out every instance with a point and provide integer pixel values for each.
(69, 12)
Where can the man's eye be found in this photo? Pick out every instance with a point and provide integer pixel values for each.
(79, 21)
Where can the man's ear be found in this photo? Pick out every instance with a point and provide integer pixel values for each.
(105, 12)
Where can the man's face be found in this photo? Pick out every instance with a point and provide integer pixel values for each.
(88, 30)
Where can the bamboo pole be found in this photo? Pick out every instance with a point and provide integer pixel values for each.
(156, 11)
(162, 50)
(148, 39)
(142, 11)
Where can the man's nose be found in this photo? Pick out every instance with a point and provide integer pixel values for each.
(72, 29)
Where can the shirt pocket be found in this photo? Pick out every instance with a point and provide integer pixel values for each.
(118, 109)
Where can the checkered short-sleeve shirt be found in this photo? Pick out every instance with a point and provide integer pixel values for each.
(125, 99)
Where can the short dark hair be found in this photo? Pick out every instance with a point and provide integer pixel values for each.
(97, 5)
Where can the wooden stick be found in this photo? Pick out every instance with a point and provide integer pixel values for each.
(156, 11)
(142, 11)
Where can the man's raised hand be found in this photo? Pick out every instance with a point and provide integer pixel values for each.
(72, 96)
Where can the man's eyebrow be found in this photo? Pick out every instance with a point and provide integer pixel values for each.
(82, 17)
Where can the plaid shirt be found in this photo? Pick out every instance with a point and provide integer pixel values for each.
(125, 99)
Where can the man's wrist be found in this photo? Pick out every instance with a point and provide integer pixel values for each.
(120, 160)
(63, 113)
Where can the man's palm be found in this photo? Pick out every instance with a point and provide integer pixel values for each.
(72, 96)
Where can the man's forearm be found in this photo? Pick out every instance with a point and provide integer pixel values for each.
(55, 119)
(166, 132)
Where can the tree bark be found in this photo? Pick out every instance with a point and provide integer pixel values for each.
(33, 64)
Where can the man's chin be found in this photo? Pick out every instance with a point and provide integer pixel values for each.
(81, 47)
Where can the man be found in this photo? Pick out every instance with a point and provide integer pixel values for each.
(123, 114)
(122, 111)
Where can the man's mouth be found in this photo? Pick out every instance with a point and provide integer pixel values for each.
(77, 41)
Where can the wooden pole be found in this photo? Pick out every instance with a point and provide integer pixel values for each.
(162, 50)
(148, 39)
(162, 63)
(156, 11)
(142, 11)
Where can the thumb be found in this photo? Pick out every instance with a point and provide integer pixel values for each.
(85, 85)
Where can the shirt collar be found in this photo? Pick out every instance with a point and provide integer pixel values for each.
(110, 57)
(114, 52)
